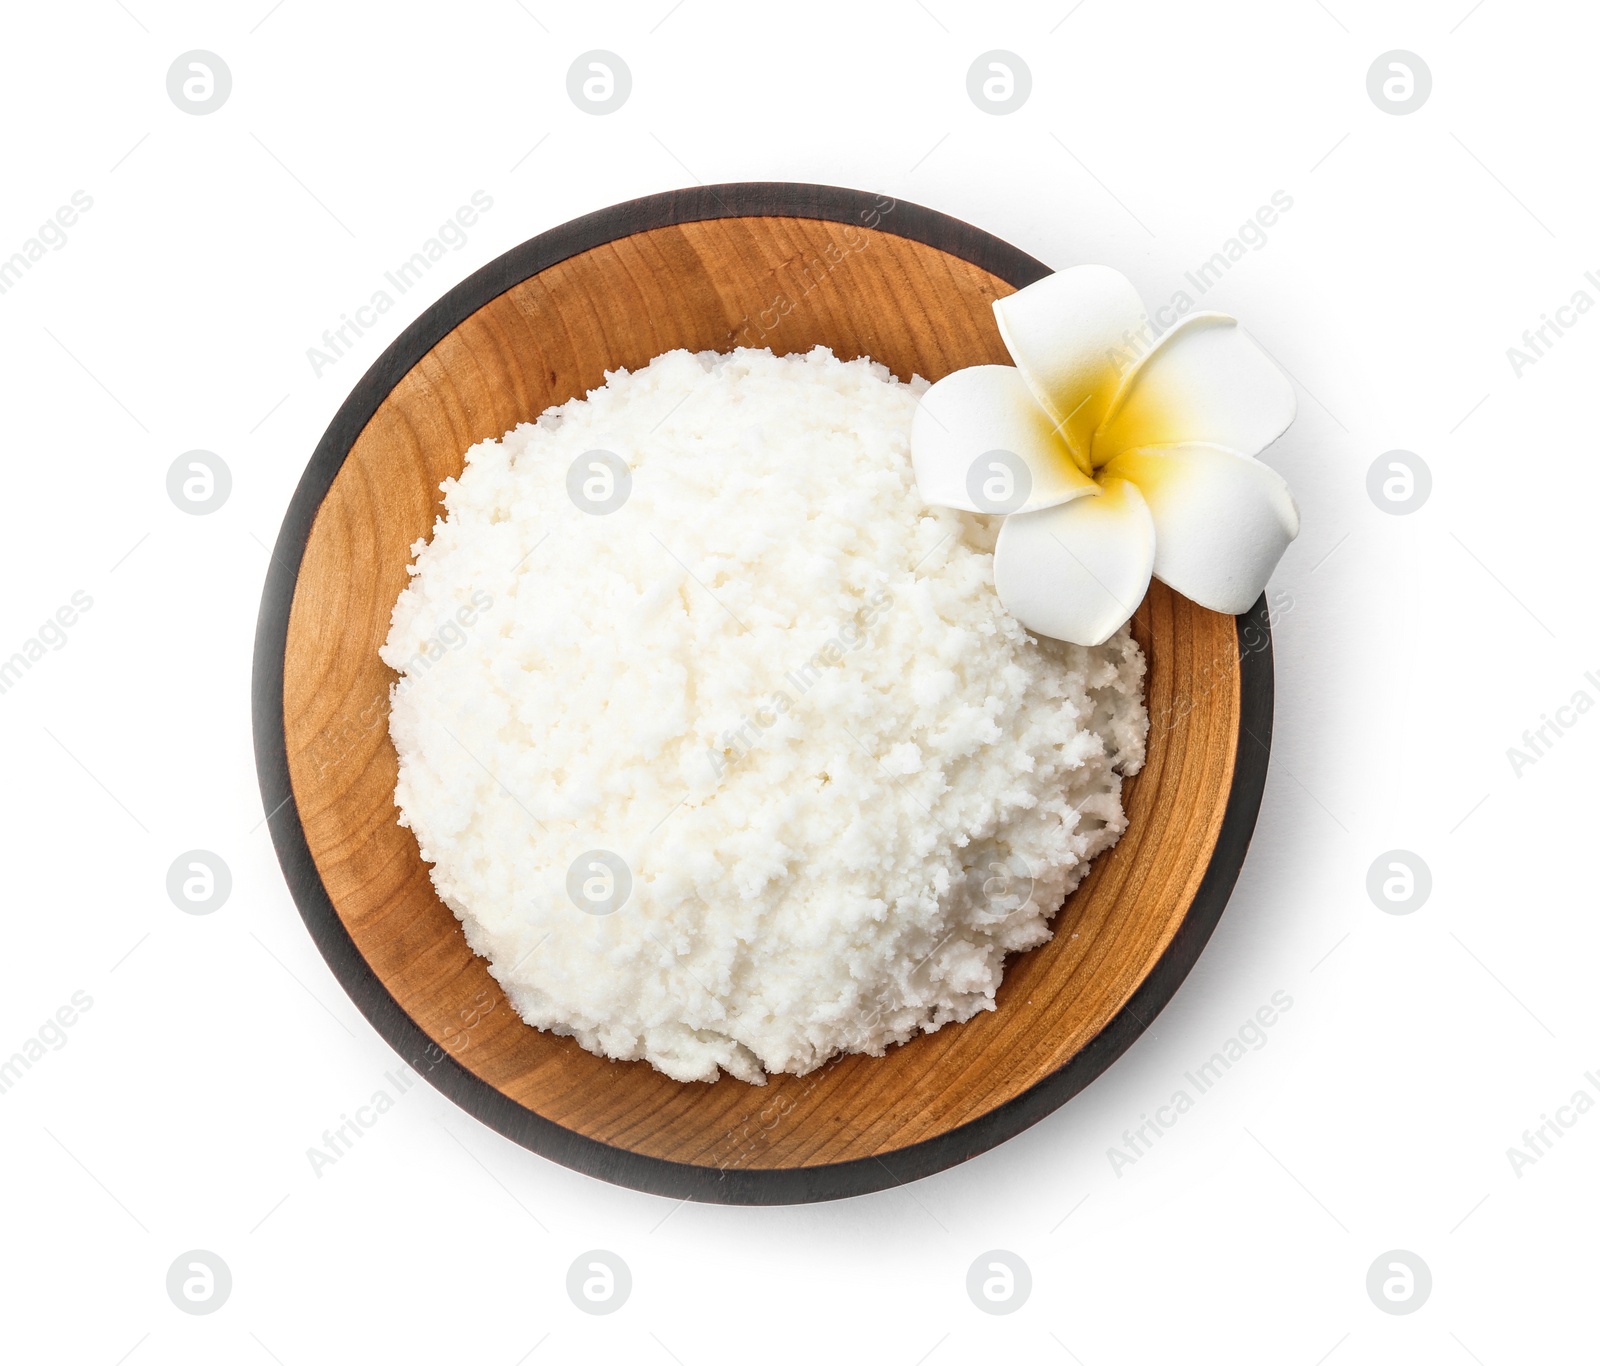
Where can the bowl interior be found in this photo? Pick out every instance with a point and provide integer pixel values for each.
(787, 283)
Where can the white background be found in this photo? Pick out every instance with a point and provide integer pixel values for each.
(1417, 650)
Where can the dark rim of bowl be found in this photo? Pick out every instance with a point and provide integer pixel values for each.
(730, 1185)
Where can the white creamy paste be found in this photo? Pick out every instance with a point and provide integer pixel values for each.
(837, 781)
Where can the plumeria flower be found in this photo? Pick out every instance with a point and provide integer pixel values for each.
(1109, 473)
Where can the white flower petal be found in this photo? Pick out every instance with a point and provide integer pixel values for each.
(1205, 380)
(960, 436)
(1222, 520)
(1065, 333)
(1077, 572)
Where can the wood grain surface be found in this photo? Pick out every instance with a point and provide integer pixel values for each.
(788, 283)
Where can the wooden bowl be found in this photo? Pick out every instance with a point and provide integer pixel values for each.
(785, 266)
